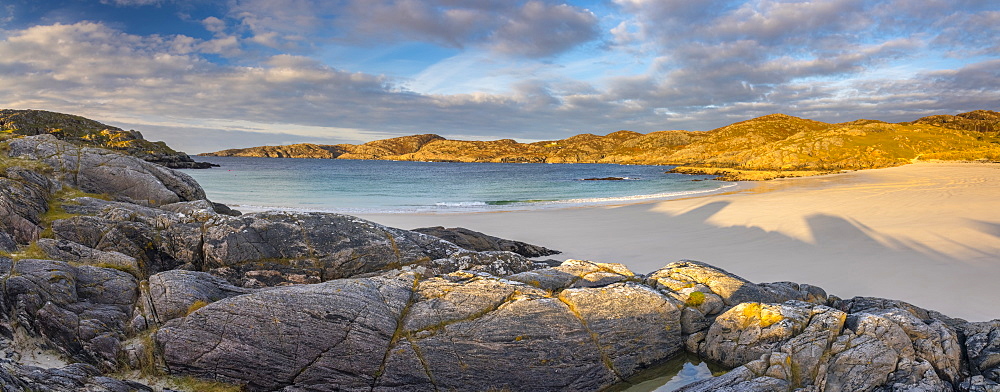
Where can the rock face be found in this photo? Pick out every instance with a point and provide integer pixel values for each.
(479, 242)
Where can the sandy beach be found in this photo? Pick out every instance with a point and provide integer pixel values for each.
(926, 233)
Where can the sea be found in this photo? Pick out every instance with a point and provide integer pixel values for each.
(364, 187)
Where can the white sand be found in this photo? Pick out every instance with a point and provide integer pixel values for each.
(926, 233)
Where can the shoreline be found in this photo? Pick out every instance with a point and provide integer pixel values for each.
(925, 233)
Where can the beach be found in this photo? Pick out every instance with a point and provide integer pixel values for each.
(925, 233)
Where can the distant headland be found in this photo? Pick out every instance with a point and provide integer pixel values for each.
(762, 148)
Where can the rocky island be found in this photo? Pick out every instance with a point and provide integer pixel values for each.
(120, 275)
(762, 148)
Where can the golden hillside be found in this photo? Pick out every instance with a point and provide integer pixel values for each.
(775, 145)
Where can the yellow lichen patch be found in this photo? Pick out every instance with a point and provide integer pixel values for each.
(763, 315)
(195, 306)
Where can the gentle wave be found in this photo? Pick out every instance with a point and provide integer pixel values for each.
(461, 204)
(498, 205)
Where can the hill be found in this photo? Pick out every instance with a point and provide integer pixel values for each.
(83, 131)
(776, 145)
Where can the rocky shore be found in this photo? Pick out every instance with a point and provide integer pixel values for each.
(119, 275)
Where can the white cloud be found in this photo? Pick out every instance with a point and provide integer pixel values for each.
(531, 28)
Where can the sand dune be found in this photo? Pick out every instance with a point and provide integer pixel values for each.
(926, 233)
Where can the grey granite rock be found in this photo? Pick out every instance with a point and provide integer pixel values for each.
(337, 246)
(982, 346)
(461, 331)
(108, 172)
(819, 348)
(172, 294)
(83, 312)
(574, 273)
(730, 288)
(74, 377)
(480, 242)
(24, 196)
(333, 335)
(73, 252)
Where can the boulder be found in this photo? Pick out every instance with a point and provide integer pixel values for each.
(982, 347)
(82, 311)
(730, 288)
(574, 273)
(74, 377)
(399, 331)
(75, 253)
(336, 246)
(802, 345)
(101, 171)
(479, 242)
(176, 293)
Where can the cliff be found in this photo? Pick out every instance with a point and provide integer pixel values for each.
(775, 145)
(86, 132)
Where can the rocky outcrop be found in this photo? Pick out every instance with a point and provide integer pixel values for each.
(74, 377)
(821, 348)
(479, 242)
(266, 249)
(985, 121)
(81, 311)
(106, 172)
(404, 332)
(86, 132)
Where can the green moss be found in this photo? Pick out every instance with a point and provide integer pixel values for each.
(56, 211)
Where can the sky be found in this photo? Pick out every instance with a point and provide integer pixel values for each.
(205, 75)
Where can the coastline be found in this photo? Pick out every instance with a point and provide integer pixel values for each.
(925, 233)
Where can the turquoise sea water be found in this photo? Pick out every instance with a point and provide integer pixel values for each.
(352, 186)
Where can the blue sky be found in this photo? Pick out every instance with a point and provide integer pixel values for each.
(204, 75)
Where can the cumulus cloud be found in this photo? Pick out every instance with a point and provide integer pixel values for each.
(533, 28)
(91, 68)
(758, 56)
